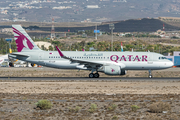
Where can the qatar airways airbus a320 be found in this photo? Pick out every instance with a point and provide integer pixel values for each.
(111, 63)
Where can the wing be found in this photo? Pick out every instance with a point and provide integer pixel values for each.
(87, 64)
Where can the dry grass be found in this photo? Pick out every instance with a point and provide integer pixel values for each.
(159, 107)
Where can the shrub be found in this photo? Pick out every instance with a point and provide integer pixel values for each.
(112, 107)
(77, 109)
(44, 104)
(93, 108)
(114, 118)
(159, 107)
(134, 107)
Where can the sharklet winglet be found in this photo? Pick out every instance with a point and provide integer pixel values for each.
(59, 51)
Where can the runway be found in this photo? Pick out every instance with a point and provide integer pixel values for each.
(86, 79)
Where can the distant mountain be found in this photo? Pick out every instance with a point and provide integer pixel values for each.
(138, 25)
(87, 10)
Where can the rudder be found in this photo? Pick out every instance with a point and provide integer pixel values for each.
(23, 40)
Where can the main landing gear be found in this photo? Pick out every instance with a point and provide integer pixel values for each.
(94, 75)
(150, 75)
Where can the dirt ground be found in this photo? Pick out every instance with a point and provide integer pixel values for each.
(153, 87)
(19, 98)
(51, 72)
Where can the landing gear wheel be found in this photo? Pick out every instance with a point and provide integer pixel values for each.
(96, 75)
(150, 76)
(91, 75)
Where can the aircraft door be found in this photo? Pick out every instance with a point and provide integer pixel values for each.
(150, 58)
(41, 59)
(40, 56)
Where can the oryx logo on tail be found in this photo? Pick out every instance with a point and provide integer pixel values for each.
(22, 41)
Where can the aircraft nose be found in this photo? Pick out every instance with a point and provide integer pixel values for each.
(170, 64)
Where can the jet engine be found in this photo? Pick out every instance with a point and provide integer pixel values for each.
(32, 65)
(113, 70)
(11, 64)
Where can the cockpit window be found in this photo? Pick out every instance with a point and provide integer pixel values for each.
(162, 58)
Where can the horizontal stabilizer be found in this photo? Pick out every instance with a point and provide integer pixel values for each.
(19, 55)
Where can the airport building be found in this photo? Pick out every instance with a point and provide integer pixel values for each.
(175, 58)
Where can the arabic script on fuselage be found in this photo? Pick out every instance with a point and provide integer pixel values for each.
(99, 54)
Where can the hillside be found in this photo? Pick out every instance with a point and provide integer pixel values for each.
(132, 25)
(136, 25)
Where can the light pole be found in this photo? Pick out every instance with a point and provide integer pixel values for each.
(111, 27)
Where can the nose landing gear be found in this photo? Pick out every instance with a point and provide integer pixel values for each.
(150, 75)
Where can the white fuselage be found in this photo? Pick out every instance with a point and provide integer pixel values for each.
(127, 60)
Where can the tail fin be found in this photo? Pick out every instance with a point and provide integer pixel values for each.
(121, 47)
(23, 41)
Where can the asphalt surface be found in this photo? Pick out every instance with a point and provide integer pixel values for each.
(86, 79)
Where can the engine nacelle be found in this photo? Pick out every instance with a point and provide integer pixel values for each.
(113, 70)
(32, 65)
(11, 64)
